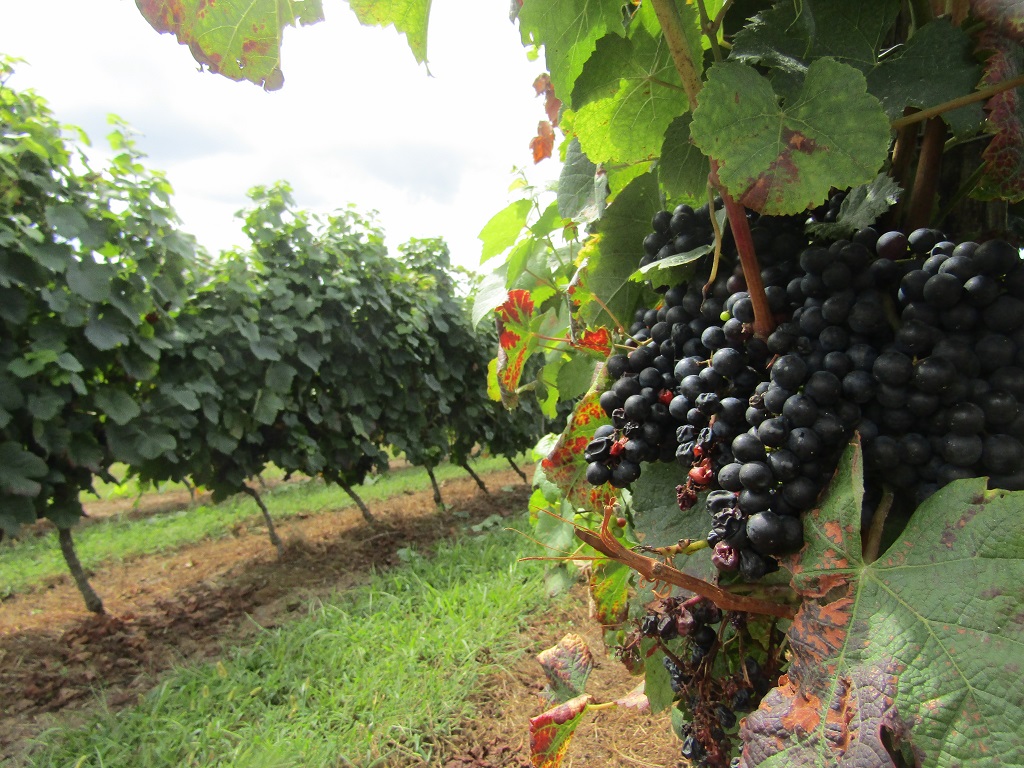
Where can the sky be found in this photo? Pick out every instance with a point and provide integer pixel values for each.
(357, 121)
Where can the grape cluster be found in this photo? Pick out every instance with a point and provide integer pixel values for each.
(694, 634)
(915, 342)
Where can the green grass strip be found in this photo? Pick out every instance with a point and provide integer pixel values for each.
(375, 677)
(36, 560)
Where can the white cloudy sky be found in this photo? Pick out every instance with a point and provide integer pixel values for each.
(357, 120)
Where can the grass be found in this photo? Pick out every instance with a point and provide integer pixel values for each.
(33, 561)
(377, 676)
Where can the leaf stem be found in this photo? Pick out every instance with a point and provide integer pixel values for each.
(961, 101)
(705, 28)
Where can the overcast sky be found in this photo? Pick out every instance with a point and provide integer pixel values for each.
(357, 120)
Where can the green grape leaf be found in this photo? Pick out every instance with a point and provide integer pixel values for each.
(409, 17)
(105, 334)
(782, 159)
(15, 511)
(860, 208)
(918, 651)
(551, 732)
(238, 39)
(936, 65)
(567, 666)
(45, 405)
(90, 280)
(490, 294)
(658, 521)
(504, 227)
(117, 405)
(672, 270)
(790, 35)
(581, 196)
(1003, 175)
(279, 377)
(629, 126)
(565, 465)
(683, 169)
(611, 257)
(609, 587)
(186, 398)
(657, 681)
(575, 377)
(66, 220)
(19, 470)
(569, 32)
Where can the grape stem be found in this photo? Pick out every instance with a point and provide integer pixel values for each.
(948, 106)
(654, 571)
(929, 161)
(764, 321)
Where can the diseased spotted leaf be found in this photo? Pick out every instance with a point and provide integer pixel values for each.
(918, 652)
(568, 31)
(240, 39)
(635, 699)
(1004, 156)
(567, 665)
(409, 17)
(565, 465)
(783, 158)
(551, 732)
(516, 342)
(609, 587)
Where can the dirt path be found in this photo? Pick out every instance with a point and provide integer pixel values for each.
(184, 606)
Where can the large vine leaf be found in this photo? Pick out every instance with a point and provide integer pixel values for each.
(581, 189)
(936, 65)
(612, 256)
(861, 208)
(629, 125)
(409, 17)
(240, 39)
(789, 35)
(569, 31)
(503, 228)
(1004, 156)
(610, 588)
(782, 159)
(916, 654)
(20, 470)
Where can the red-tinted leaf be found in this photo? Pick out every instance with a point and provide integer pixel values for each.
(1004, 156)
(241, 41)
(565, 465)
(597, 341)
(516, 342)
(567, 666)
(551, 732)
(635, 699)
(544, 142)
(552, 105)
(1005, 15)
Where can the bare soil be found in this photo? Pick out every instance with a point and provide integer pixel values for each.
(186, 606)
